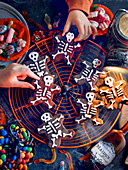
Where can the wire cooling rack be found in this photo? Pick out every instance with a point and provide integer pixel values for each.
(30, 115)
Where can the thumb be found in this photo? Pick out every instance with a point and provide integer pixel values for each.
(66, 28)
(94, 30)
(24, 84)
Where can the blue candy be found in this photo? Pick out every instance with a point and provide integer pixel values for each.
(6, 140)
(2, 141)
(14, 157)
(4, 160)
(3, 132)
(25, 148)
(10, 165)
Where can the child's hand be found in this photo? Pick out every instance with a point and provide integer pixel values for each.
(14, 74)
(85, 28)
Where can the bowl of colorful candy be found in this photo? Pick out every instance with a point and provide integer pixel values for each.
(16, 147)
(14, 39)
(100, 16)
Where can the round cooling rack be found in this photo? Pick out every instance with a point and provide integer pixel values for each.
(30, 115)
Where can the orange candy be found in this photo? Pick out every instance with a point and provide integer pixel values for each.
(25, 167)
(20, 167)
(22, 155)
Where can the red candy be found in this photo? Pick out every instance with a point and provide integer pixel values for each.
(27, 156)
(101, 18)
(23, 161)
(2, 151)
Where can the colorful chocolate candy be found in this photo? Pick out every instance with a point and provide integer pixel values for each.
(16, 147)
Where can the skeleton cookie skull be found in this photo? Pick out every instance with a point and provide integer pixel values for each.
(38, 64)
(114, 92)
(45, 90)
(65, 48)
(89, 109)
(52, 127)
(89, 74)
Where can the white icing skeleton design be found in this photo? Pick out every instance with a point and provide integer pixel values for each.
(65, 48)
(89, 109)
(38, 64)
(54, 129)
(89, 74)
(45, 90)
(114, 92)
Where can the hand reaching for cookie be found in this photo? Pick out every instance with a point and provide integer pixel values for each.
(14, 74)
(85, 28)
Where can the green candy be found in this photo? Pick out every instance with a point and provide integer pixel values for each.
(21, 144)
(3, 156)
(13, 126)
(29, 149)
(25, 134)
(93, 8)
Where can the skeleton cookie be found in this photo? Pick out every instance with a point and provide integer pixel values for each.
(65, 48)
(89, 74)
(53, 128)
(114, 92)
(38, 64)
(45, 90)
(89, 109)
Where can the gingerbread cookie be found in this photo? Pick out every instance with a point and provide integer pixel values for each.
(90, 74)
(89, 109)
(65, 48)
(54, 129)
(114, 92)
(45, 91)
(38, 64)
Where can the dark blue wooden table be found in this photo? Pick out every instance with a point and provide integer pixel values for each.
(36, 10)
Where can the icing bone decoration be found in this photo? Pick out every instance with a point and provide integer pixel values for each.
(89, 109)
(90, 74)
(38, 64)
(45, 91)
(65, 48)
(53, 128)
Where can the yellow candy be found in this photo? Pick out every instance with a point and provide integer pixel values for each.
(31, 154)
(17, 127)
(1, 137)
(23, 129)
(1, 162)
(0, 147)
(1, 127)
